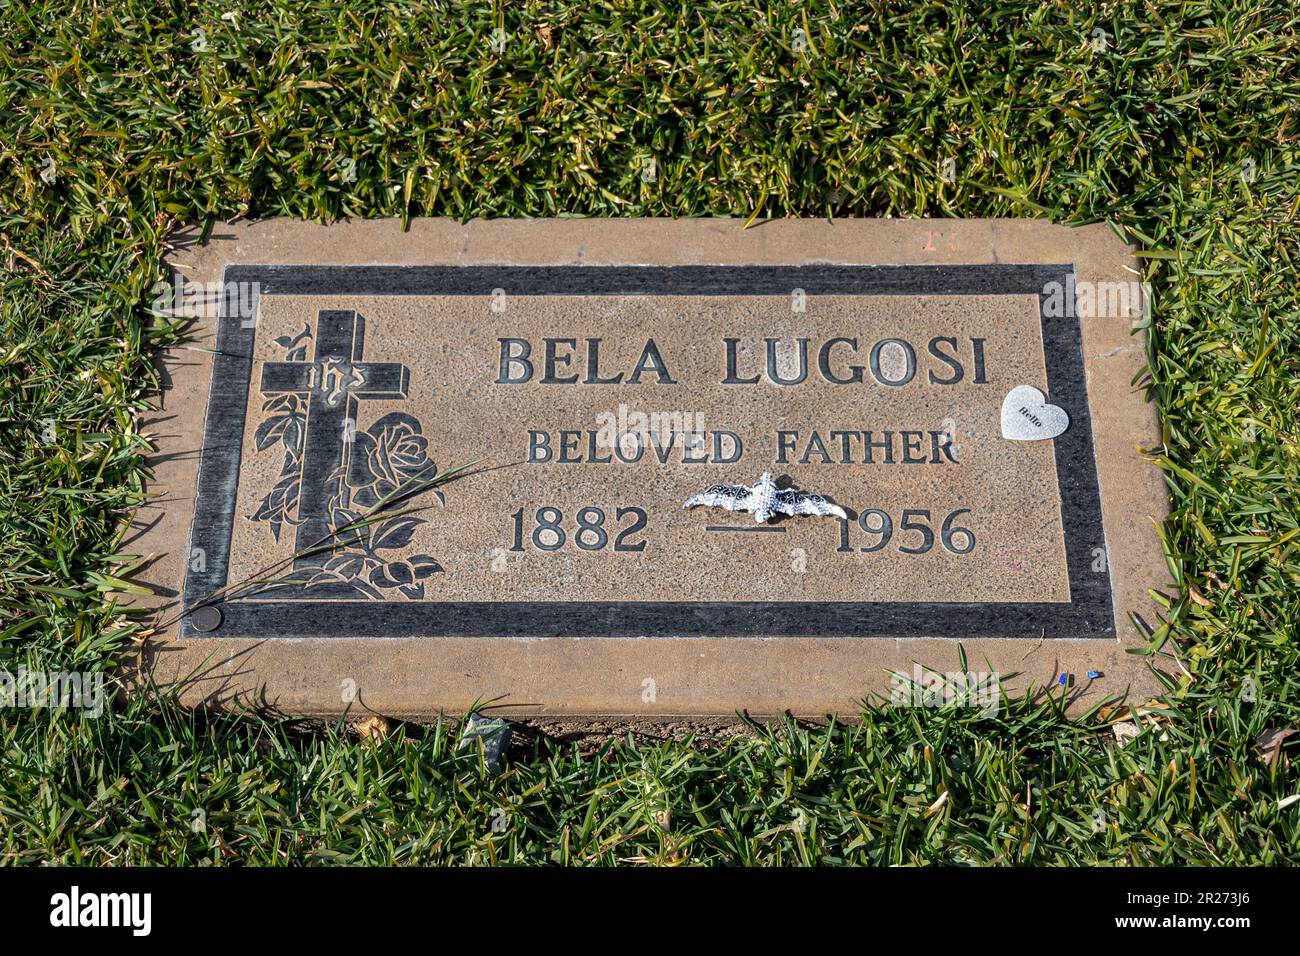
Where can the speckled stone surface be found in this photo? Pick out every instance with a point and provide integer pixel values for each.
(634, 606)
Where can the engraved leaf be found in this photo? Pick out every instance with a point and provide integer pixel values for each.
(347, 534)
(291, 484)
(395, 574)
(275, 506)
(424, 566)
(346, 565)
(292, 434)
(285, 342)
(396, 533)
(323, 576)
(269, 432)
(344, 516)
(366, 589)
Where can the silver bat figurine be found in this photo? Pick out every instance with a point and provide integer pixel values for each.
(764, 500)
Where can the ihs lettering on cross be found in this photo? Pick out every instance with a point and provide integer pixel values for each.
(332, 382)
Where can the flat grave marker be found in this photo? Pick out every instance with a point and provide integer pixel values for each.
(961, 392)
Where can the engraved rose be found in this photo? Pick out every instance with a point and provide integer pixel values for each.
(389, 455)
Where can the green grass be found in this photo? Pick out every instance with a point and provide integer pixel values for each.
(742, 117)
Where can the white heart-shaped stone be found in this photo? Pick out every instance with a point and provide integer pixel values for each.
(1026, 416)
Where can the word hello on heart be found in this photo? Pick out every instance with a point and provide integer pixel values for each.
(1027, 416)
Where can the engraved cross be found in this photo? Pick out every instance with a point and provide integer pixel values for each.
(332, 382)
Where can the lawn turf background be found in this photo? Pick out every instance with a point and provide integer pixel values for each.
(1175, 121)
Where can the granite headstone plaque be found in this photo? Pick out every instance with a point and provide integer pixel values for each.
(962, 393)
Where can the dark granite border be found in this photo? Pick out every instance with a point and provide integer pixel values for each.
(1088, 614)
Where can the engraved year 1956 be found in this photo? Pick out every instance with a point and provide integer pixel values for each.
(878, 526)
